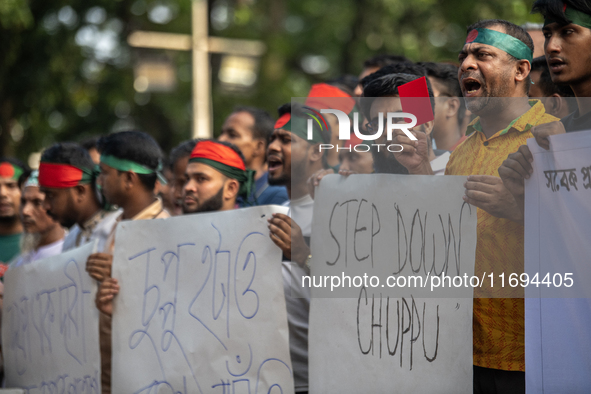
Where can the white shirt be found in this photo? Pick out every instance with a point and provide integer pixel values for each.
(52, 249)
(98, 227)
(439, 163)
(297, 298)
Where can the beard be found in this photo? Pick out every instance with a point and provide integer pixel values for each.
(281, 180)
(386, 163)
(30, 242)
(213, 204)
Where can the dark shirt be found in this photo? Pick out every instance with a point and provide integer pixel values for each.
(265, 194)
(574, 122)
(9, 247)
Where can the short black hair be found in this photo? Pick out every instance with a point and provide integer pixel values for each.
(384, 60)
(263, 122)
(68, 153)
(90, 143)
(554, 9)
(447, 75)
(399, 68)
(16, 162)
(386, 86)
(510, 29)
(136, 146)
(181, 151)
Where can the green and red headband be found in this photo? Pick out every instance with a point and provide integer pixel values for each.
(297, 125)
(132, 166)
(574, 16)
(225, 160)
(9, 170)
(62, 176)
(502, 41)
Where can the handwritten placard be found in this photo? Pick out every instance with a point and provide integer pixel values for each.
(394, 332)
(557, 249)
(50, 337)
(201, 307)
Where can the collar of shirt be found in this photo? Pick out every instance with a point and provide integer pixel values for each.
(151, 211)
(90, 224)
(521, 124)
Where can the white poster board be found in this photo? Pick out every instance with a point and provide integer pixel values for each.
(381, 339)
(50, 338)
(201, 307)
(557, 243)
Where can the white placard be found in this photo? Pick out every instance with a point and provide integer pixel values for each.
(386, 339)
(201, 307)
(558, 250)
(50, 338)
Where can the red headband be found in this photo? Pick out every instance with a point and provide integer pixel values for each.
(220, 153)
(283, 120)
(323, 96)
(59, 176)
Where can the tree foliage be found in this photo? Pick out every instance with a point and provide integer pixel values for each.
(67, 72)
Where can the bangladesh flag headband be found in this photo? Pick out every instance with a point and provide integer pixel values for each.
(62, 176)
(132, 166)
(504, 42)
(225, 160)
(9, 170)
(299, 127)
(574, 16)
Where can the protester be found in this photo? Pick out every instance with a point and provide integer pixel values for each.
(494, 76)
(12, 175)
(449, 105)
(215, 177)
(68, 180)
(179, 158)
(43, 236)
(567, 29)
(381, 97)
(325, 96)
(131, 161)
(292, 160)
(249, 129)
(355, 157)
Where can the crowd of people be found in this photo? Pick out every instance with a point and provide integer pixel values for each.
(485, 108)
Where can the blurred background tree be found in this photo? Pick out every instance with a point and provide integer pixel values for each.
(67, 72)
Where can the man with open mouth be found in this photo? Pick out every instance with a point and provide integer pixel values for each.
(292, 159)
(494, 77)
